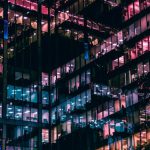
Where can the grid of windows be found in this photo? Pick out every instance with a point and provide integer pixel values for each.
(105, 89)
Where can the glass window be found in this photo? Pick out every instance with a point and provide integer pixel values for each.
(145, 45)
(33, 95)
(82, 120)
(18, 112)
(128, 78)
(139, 48)
(143, 4)
(135, 96)
(53, 96)
(143, 137)
(112, 146)
(103, 49)
(88, 76)
(45, 116)
(131, 31)
(89, 116)
(105, 90)
(88, 96)
(118, 145)
(111, 107)
(117, 105)
(115, 64)
(54, 134)
(53, 77)
(125, 13)
(26, 114)
(136, 7)
(45, 136)
(83, 81)
(68, 124)
(140, 116)
(120, 37)
(83, 98)
(77, 82)
(112, 127)
(58, 73)
(26, 94)
(123, 101)
(78, 102)
(73, 85)
(72, 104)
(63, 129)
(125, 144)
(130, 10)
(143, 24)
(108, 45)
(121, 61)
(10, 111)
(54, 116)
(18, 93)
(129, 98)
(68, 107)
(45, 97)
(82, 60)
(134, 74)
(64, 108)
(122, 79)
(106, 130)
(114, 41)
(136, 140)
(10, 92)
(72, 65)
(137, 27)
(34, 115)
(146, 67)
(133, 54)
(44, 79)
(140, 69)
(126, 33)
(68, 67)
(59, 111)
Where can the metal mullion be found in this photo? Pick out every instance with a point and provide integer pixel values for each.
(4, 103)
(50, 115)
(50, 104)
(39, 76)
(30, 87)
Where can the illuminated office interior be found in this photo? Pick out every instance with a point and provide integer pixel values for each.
(75, 74)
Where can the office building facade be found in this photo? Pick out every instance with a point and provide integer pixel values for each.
(94, 99)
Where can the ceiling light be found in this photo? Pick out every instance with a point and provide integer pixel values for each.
(25, 17)
(16, 15)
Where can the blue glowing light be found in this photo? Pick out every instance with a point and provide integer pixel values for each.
(5, 30)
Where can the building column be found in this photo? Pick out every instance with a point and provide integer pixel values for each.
(4, 103)
(39, 63)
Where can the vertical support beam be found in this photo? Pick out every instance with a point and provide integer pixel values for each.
(39, 76)
(49, 19)
(4, 103)
(49, 38)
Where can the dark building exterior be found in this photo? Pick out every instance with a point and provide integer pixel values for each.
(75, 74)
